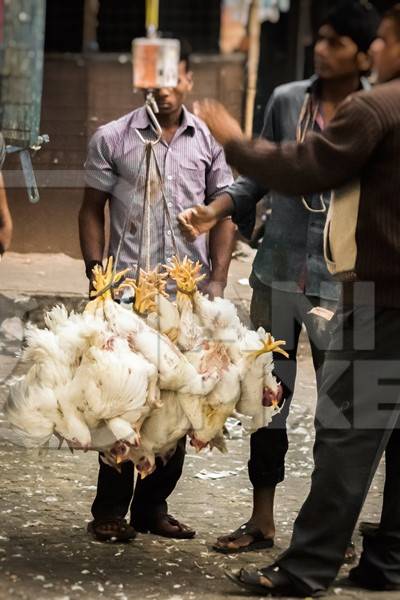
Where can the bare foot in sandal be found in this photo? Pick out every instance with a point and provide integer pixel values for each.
(258, 532)
(269, 581)
(246, 538)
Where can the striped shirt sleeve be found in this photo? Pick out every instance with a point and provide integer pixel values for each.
(99, 171)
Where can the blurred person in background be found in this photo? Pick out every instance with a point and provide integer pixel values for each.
(289, 275)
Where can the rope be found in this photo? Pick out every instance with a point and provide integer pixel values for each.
(2, 150)
(148, 153)
(147, 156)
(129, 215)
(301, 131)
(165, 202)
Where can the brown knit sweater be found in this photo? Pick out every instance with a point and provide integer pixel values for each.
(358, 155)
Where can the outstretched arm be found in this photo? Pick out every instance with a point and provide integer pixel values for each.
(322, 162)
(221, 245)
(91, 228)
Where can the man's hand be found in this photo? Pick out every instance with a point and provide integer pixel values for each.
(215, 289)
(221, 124)
(197, 220)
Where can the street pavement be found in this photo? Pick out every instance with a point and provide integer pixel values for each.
(45, 501)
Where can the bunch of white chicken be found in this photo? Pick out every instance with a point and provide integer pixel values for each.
(131, 382)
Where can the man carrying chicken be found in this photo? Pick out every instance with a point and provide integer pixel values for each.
(289, 274)
(194, 170)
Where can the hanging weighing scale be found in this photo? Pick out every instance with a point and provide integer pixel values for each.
(155, 63)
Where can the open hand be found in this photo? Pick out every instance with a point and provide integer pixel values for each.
(220, 122)
(196, 220)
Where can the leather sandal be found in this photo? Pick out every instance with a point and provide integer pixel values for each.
(270, 581)
(164, 525)
(109, 530)
(260, 542)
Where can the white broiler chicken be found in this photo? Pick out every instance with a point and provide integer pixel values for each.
(174, 370)
(207, 414)
(260, 392)
(215, 409)
(32, 412)
(160, 433)
(165, 318)
(71, 337)
(151, 300)
(50, 376)
(219, 318)
(186, 275)
(133, 382)
(75, 333)
(46, 400)
(118, 387)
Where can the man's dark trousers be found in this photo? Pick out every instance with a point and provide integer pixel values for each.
(283, 313)
(358, 417)
(116, 492)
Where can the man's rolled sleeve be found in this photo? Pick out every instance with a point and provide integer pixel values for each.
(245, 194)
(99, 171)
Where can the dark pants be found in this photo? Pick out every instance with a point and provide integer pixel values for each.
(358, 417)
(283, 313)
(115, 490)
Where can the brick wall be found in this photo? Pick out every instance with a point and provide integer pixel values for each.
(79, 95)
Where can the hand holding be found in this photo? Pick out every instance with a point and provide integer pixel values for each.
(196, 220)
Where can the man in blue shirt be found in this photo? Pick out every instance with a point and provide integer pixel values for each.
(289, 275)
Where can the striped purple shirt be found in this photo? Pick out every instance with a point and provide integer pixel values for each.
(194, 170)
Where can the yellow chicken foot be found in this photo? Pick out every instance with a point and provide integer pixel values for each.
(145, 293)
(104, 280)
(156, 279)
(186, 274)
(270, 345)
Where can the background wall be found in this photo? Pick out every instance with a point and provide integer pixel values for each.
(81, 93)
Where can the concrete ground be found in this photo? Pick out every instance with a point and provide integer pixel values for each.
(45, 552)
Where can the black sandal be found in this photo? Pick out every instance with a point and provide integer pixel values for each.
(370, 579)
(253, 581)
(118, 530)
(260, 542)
(368, 528)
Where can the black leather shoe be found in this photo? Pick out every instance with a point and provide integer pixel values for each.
(111, 530)
(164, 525)
(371, 580)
